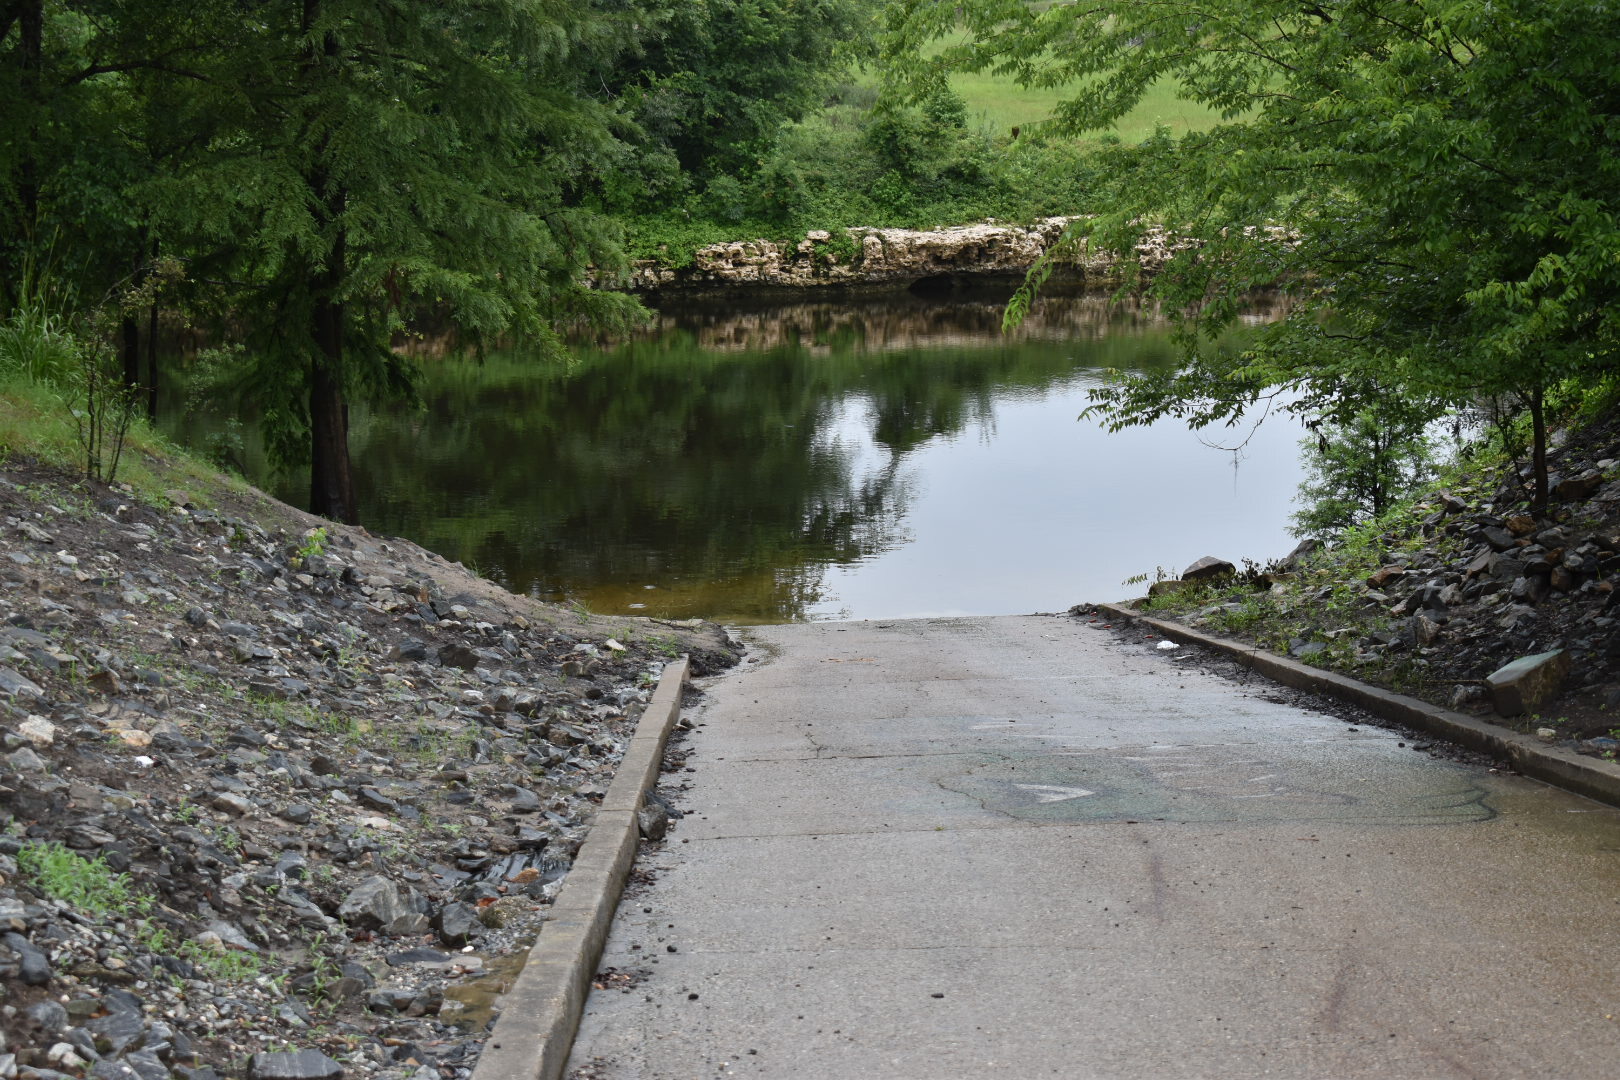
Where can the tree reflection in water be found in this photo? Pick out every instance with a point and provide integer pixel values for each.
(718, 465)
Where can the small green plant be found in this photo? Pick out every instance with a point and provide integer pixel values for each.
(232, 965)
(314, 545)
(1249, 613)
(323, 972)
(37, 343)
(87, 884)
(103, 409)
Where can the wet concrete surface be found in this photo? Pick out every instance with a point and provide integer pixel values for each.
(1021, 847)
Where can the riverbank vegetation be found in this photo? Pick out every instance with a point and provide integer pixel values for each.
(1454, 581)
(1429, 185)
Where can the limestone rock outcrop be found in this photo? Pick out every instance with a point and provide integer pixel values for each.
(868, 256)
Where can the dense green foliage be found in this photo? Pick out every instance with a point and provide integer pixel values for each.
(713, 82)
(1433, 181)
(864, 160)
(331, 174)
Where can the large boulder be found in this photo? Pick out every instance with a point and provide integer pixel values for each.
(1528, 682)
(1209, 568)
(379, 904)
(1578, 487)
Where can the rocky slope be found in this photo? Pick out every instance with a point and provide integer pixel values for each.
(276, 794)
(1467, 583)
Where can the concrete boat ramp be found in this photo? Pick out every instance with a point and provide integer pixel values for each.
(1020, 847)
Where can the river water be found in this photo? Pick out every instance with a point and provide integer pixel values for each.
(869, 459)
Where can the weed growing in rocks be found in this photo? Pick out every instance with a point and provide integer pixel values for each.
(87, 884)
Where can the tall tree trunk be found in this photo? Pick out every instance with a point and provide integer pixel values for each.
(1538, 452)
(152, 338)
(331, 480)
(130, 332)
(152, 359)
(31, 58)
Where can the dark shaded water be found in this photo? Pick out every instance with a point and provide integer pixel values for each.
(877, 459)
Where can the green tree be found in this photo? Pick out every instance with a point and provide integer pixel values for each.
(1433, 181)
(1356, 469)
(97, 106)
(712, 82)
(387, 162)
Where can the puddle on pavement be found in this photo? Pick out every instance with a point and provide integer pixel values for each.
(479, 999)
(1238, 782)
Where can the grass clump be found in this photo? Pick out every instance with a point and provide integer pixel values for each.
(91, 887)
(88, 885)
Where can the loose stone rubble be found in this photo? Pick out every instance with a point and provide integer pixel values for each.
(276, 793)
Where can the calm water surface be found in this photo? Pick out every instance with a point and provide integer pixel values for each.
(861, 460)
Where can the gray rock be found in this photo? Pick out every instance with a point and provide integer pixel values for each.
(1531, 589)
(1498, 538)
(524, 801)
(34, 967)
(293, 1065)
(146, 1065)
(416, 956)
(1578, 487)
(83, 1042)
(118, 1031)
(411, 649)
(1424, 629)
(457, 924)
(565, 735)
(379, 904)
(232, 804)
(1209, 568)
(1307, 649)
(458, 655)
(232, 936)
(113, 1070)
(296, 813)
(17, 685)
(47, 1016)
(653, 820)
(1528, 682)
(373, 799)
(23, 759)
(1507, 568)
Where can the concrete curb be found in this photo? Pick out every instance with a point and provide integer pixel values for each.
(541, 1012)
(1592, 777)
